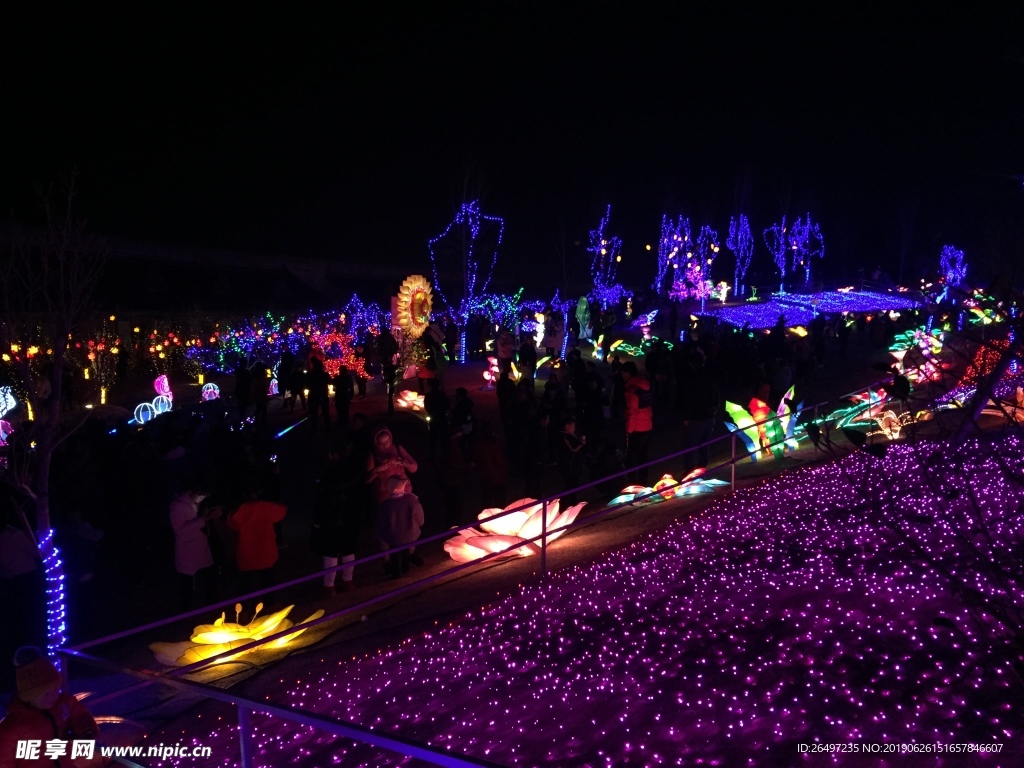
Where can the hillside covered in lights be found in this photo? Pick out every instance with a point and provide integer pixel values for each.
(868, 600)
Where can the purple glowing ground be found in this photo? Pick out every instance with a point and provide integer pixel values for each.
(788, 612)
(800, 308)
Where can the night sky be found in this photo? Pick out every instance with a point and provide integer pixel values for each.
(354, 136)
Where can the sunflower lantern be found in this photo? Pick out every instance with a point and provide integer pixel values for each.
(414, 304)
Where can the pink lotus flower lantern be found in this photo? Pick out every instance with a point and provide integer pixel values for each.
(501, 533)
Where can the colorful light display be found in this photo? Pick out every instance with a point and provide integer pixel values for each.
(785, 613)
(510, 530)
(415, 302)
(605, 253)
(667, 488)
(953, 269)
(56, 604)
(210, 391)
(776, 240)
(468, 235)
(763, 436)
(675, 240)
(212, 639)
(741, 242)
(7, 401)
(807, 243)
(409, 400)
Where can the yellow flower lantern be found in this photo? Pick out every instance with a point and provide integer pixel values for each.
(415, 300)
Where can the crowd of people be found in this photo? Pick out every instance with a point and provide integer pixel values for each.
(208, 479)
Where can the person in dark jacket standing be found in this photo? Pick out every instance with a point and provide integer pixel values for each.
(337, 515)
(570, 458)
(344, 392)
(317, 381)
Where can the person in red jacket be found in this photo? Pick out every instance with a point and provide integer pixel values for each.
(256, 551)
(639, 420)
(45, 720)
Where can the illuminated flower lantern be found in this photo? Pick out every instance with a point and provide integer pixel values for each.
(409, 399)
(5, 431)
(144, 412)
(163, 386)
(514, 528)
(272, 388)
(161, 404)
(415, 301)
(7, 401)
(667, 488)
(212, 639)
(210, 392)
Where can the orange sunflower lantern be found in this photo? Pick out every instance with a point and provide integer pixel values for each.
(414, 304)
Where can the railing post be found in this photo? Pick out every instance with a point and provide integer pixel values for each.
(544, 540)
(245, 737)
(733, 463)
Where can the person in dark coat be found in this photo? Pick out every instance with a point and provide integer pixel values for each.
(337, 515)
(344, 392)
(570, 458)
(243, 388)
(437, 405)
(317, 380)
(491, 467)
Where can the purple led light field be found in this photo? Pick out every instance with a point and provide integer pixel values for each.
(788, 612)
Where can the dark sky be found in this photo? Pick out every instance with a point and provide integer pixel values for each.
(353, 135)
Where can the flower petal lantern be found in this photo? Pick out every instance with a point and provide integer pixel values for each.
(212, 639)
(415, 301)
(210, 392)
(501, 533)
(5, 431)
(667, 488)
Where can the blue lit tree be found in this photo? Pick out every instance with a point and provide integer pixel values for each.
(741, 243)
(779, 247)
(953, 269)
(469, 245)
(806, 243)
(675, 239)
(605, 252)
(705, 254)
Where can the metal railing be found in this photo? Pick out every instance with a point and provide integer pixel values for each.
(245, 706)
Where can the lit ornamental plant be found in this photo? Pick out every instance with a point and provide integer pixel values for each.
(209, 640)
(667, 488)
(503, 533)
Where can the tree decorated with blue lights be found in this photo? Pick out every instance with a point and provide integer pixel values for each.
(806, 243)
(469, 245)
(741, 242)
(675, 240)
(953, 269)
(605, 252)
(779, 247)
(708, 246)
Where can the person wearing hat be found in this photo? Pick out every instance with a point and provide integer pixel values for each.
(41, 712)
